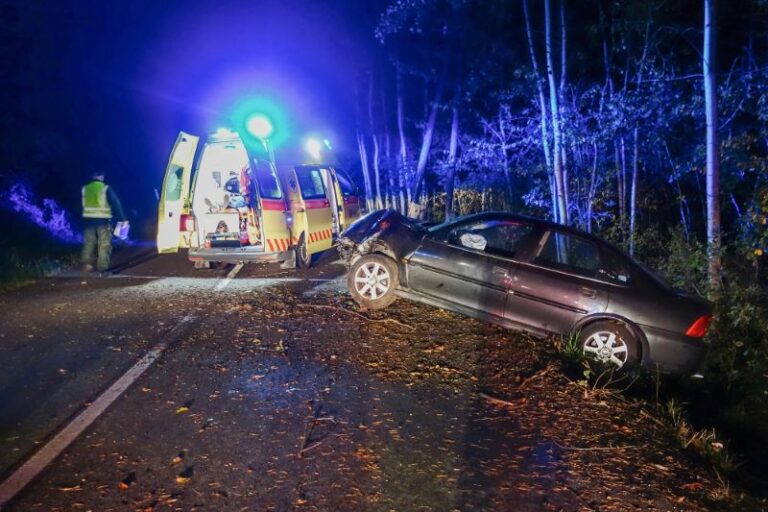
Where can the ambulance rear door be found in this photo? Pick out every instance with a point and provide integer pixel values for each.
(274, 221)
(351, 198)
(174, 200)
(316, 206)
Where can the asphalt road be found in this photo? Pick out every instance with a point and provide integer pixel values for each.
(279, 394)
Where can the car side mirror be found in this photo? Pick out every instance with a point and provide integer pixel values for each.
(473, 241)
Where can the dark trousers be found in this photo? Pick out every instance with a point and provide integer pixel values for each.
(97, 244)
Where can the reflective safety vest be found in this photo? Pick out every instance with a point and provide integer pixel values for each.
(95, 203)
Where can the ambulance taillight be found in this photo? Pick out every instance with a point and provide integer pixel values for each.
(186, 222)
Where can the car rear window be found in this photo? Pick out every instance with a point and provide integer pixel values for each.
(569, 253)
(614, 269)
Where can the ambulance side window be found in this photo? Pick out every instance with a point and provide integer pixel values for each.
(269, 187)
(173, 186)
(347, 188)
(311, 183)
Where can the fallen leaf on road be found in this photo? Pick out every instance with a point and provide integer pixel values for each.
(185, 476)
(69, 488)
(693, 486)
(181, 410)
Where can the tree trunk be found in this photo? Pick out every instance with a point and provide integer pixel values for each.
(452, 150)
(376, 151)
(561, 103)
(623, 187)
(364, 168)
(426, 143)
(555, 113)
(403, 147)
(592, 188)
(633, 194)
(636, 140)
(542, 110)
(713, 150)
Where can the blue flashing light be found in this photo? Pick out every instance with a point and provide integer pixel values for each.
(259, 126)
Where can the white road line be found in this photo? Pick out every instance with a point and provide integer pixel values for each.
(232, 273)
(53, 448)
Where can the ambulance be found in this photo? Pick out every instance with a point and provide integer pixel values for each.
(229, 203)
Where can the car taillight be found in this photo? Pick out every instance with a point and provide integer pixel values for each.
(186, 223)
(699, 328)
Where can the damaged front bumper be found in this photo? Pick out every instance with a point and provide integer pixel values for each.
(350, 251)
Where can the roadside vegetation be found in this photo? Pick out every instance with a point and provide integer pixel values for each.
(29, 252)
(724, 417)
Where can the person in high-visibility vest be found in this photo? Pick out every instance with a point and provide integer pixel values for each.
(100, 203)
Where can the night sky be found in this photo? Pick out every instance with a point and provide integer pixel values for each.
(109, 85)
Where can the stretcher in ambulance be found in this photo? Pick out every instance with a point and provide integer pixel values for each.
(234, 207)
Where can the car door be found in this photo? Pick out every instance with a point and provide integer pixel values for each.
(316, 206)
(469, 265)
(274, 212)
(559, 285)
(350, 199)
(174, 199)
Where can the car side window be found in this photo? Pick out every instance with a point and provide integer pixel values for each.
(499, 238)
(614, 270)
(569, 253)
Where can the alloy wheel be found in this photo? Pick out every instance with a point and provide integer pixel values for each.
(372, 280)
(607, 347)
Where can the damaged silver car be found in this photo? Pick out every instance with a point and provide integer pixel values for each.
(532, 275)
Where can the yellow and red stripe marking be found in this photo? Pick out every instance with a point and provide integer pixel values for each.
(319, 236)
(278, 244)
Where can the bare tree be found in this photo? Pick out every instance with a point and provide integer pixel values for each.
(542, 108)
(426, 144)
(555, 113)
(403, 146)
(453, 145)
(713, 150)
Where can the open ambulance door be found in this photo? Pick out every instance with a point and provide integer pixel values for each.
(350, 198)
(275, 231)
(174, 201)
(313, 207)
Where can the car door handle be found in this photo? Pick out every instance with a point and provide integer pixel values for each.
(588, 292)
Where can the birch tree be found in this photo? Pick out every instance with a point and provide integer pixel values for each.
(555, 114)
(713, 150)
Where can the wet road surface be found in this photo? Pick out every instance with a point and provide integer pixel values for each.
(282, 395)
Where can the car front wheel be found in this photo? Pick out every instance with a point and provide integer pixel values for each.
(372, 281)
(610, 343)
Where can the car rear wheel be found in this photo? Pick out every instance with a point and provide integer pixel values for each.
(372, 281)
(610, 343)
(303, 258)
